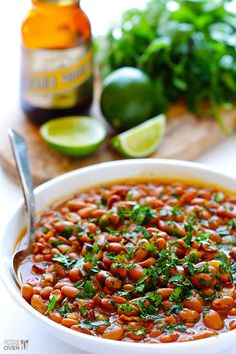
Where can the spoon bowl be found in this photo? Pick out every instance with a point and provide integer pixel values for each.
(19, 149)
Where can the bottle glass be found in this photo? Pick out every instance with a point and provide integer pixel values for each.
(56, 61)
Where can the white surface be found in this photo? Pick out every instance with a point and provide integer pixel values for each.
(84, 178)
(15, 323)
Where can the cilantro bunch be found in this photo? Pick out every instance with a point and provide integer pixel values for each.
(188, 48)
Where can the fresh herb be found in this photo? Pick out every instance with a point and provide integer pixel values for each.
(174, 327)
(219, 197)
(232, 223)
(66, 261)
(176, 295)
(176, 211)
(67, 232)
(175, 309)
(92, 324)
(83, 310)
(142, 230)
(52, 304)
(88, 289)
(151, 247)
(141, 215)
(203, 238)
(79, 264)
(127, 307)
(64, 309)
(172, 42)
(152, 310)
(139, 332)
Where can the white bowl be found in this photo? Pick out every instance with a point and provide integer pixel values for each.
(89, 176)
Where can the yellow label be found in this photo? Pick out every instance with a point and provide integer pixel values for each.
(53, 78)
(60, 80)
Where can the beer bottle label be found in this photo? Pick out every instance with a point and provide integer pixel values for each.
(56, 79)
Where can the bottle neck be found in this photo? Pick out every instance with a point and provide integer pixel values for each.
(56, 2)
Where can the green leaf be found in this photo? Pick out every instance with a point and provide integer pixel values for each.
(88, 289)
(66, 261)
(52, 304)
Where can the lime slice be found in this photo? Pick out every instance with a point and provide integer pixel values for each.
(74, 136)
(142, 140)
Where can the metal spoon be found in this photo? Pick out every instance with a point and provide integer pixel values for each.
(19, 149)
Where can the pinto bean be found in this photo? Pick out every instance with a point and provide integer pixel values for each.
(202, 280)
(68, 322)
(113, 283)
(27, 292)
(74, 275)
(108, 304)
(121, 271)
(115, 247)
(55, 316)
(114, 332)
(38, 304)
(193, 304)
(62, 225)
(136, 272)
(148, 262)
(45, 293)
(188, 315)
(225, 303)
(170, 337)
(213, 320)
(165, 292)
(232, 325)
(141, 252)
(69, 291)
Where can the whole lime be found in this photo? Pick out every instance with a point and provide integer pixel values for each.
(127, 98)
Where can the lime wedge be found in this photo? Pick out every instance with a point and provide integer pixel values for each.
(142, 140)
(74, 136)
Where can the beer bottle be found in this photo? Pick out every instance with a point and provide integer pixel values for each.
(56, 61)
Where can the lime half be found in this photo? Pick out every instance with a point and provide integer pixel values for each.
(142, 140)
(74, 136)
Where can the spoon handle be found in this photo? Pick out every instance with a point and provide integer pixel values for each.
(19, 149)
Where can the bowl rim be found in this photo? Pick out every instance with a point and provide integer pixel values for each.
(8, 281)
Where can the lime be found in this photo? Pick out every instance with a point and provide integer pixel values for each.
(127, 98)
(142, 140)
(74, 136)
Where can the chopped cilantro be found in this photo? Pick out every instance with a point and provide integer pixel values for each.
(79, 264)
(52, 304)
(151, 247)
(176, 211)
(175, 309)
(67, 232)
(139, 332)
(232, 223)
(83, 310)
(219, 197)
(66, 261)
(127, 307)
(88, 289)
(64, 309)
(176, 295)
(142, 230)
(174, 327)
(92, 324)
(141, 215)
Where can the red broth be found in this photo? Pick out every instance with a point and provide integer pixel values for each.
(147, 261)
